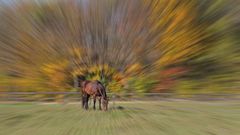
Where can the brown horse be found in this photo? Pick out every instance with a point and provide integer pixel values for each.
(96, 90)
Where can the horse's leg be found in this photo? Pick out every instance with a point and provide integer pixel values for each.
(94, 102)
(100, 98)
(83, 100)
(86, 101)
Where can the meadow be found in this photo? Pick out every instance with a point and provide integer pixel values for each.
(178, 117)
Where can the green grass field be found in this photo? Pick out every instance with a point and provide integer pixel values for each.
(136, 118)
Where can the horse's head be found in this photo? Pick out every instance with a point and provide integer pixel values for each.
(105, 104)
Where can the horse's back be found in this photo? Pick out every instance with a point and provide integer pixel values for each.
(93, 87)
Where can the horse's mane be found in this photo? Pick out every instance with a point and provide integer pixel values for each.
(102, 89)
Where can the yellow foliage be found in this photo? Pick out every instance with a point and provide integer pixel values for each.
(56, 73)
(179, 40)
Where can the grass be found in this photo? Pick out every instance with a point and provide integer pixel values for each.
(135, 118)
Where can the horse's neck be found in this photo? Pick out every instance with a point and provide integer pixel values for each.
(103, 91)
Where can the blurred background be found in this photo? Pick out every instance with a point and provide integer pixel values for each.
(131, 46)
(170, 67)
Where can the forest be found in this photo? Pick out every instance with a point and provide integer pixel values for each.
(131, 46)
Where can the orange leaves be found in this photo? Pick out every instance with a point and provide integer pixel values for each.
(133, 68)
(179, 38)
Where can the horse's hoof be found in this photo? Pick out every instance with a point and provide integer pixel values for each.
(120, 108)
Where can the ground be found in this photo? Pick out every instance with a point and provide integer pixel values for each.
(132, 118)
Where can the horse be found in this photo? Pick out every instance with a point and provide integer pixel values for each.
(96, 90)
